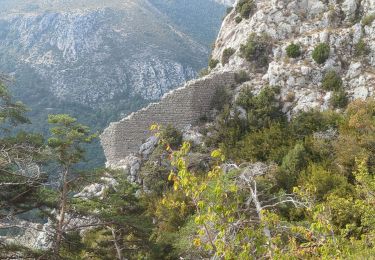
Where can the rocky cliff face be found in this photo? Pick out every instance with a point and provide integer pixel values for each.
(340, 24)
(95, 54)
(346, 27)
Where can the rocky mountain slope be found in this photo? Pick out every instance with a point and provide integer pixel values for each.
(275, 43)
(340, 24)
(101, 55)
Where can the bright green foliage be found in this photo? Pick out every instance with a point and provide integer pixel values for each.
(332, 81)
(321, 53)
(339, 99)
(293, 50)
(257, 49)
(227, 53)
(367, 20)
(212, 63)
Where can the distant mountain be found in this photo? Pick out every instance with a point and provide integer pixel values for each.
(99, 60)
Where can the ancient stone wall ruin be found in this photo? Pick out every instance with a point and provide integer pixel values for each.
(181, 107)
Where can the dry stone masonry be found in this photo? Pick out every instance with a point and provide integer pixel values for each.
(181, 108)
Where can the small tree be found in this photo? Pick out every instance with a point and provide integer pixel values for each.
(67, 139)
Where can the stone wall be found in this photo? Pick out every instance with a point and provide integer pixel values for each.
(181, 107)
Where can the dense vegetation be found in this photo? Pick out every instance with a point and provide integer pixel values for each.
(260, 186)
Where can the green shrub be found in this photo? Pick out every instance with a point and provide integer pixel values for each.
(213, 63)
(361, 48)
(339, 99)
(256, 49)
(238, 19)
(227, 53)
(321, 53)
(332, 81)
(367, 20)
(245, 8)
(256, 145)
(241, 77)
(293, 50)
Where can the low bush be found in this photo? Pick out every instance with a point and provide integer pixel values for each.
(238, 19)
(227, 53)
(321, 53)
(332, 81)
(293, 50)
(257, 49)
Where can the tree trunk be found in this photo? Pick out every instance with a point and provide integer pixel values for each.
(117, 245)
(258, 207)
(61, 220)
